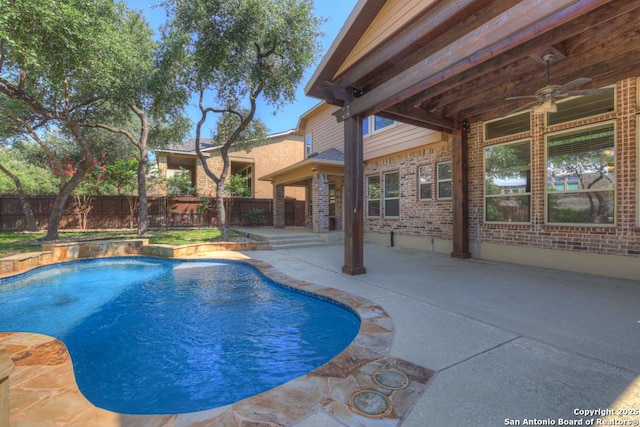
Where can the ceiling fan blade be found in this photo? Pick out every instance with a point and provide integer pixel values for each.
(522, 108)
(574, 83)
(602, 91)
(513, 98)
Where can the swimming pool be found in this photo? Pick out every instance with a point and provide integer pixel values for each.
(150, 336)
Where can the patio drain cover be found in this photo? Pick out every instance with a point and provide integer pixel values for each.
(391, 379)
(370, 403)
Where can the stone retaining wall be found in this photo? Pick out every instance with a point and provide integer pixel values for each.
(68, 251)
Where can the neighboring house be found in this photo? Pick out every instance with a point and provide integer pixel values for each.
(281, 150)
(554, 184)
(387, 143)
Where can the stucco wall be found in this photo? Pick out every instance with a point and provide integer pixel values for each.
(266, 159)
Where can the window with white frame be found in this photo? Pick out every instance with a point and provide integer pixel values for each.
(581, 176)
(308, 144)
(392, 194)
(373, 124)
(380, 123)
(425, 182)
(444, 180)
(507, 182)
(373, 195)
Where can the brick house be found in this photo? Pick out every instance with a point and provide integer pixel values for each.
(549, 178)
(389, 144)
(281, 150)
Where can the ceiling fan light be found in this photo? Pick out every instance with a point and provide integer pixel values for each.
(547, 106)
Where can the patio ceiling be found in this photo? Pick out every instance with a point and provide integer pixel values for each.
(458, 59)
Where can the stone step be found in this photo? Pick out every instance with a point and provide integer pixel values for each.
(297, 245)
(279, 241)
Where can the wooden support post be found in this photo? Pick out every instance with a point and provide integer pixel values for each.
(460, 194)
(354, 197)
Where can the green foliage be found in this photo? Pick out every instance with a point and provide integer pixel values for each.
(232, 46)
(205, 205)
(179, 184)
(236, 185)
(122, 175)
(256, 216)
(35, 179)
(249, 136)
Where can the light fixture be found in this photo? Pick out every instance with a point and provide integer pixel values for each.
(547, 106)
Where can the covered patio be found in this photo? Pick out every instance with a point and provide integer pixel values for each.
(447, 65)
(322, 175)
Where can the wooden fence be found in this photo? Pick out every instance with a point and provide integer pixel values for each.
(114, 212)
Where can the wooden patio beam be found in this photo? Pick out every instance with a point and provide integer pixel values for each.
(404, 113)
(445, 16)
(521, 23)
(607, 13)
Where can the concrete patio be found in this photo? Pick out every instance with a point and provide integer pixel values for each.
(511, 345)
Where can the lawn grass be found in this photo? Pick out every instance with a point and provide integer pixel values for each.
(14, 242)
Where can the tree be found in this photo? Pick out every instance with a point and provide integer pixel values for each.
(232, 52)
(52, 63)
(64, 61)
(145, 105)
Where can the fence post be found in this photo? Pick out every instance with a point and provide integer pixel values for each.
(6, 368)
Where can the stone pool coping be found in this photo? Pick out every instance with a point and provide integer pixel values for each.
(43, 389)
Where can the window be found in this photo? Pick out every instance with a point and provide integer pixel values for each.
(506, 126)
(444, 180)
(374, 124)
(581, 176)
(373, 195)
(380, 123)
(308, 144)
(392, 194)
(583, 106)
(507, 182)
(425, 180)
(365, 126)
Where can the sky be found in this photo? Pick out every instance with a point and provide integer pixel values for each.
(335, 11)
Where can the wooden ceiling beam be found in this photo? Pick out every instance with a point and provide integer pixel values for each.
(387, 69)
(520, 24)
(440, 17)
(404, 112)
(606, 13)
(593, 62)
(495, 109)
(413, 122)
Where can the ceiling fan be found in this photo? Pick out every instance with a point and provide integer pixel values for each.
(545, 97)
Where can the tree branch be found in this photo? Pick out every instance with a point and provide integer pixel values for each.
(24, 127)
(203, 119)
(14, 93)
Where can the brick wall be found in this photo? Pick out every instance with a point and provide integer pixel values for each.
(621, 239)
(432, 218)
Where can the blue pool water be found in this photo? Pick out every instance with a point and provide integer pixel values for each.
(151, 336)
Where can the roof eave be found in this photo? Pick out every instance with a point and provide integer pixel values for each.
(302, 164)
(342, 45)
